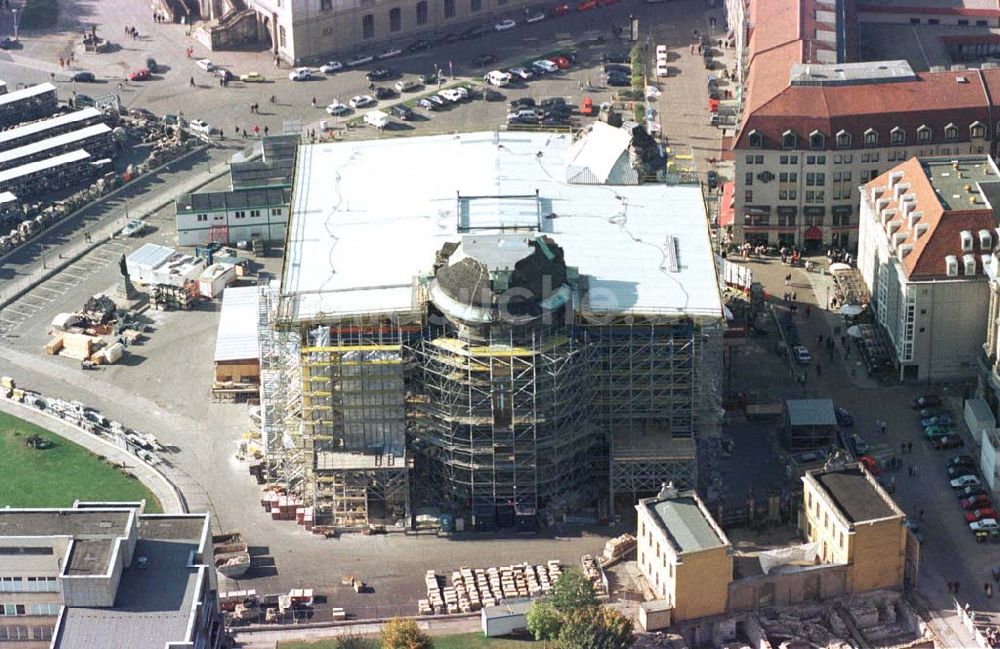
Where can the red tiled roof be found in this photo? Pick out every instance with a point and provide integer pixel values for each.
(943, 234)
(934, 99)
(727, 210)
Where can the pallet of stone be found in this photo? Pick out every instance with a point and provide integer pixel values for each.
(619, 546)
(424, 607)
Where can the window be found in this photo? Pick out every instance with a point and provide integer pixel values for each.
(240, 215)
(977, 130)
(12, 609)
(788, 140)
(951, 132)
(815, 159)
(325, 5)
(33, 550)
(933, 21)
(981, 23)
(275, 211)
(923, 134)
(749, 159)
(202, 217)
(814, 197)
(871, 137)
(848, 158)
(786, 219)
(914, 21)
(395, 19)
(963, 23)
(41, 632)
(748, 196)
(11, 585)
(13, 632)
(422, 12)
(368, 26)
(475, 5)
(788, 194)
(281, 35)
(815, 180)
(45, 609)
(817, 140)
(749, 178)
(897, 136)
(449, 8)
(843, 139)
(254, 214)
(788, 177)
(754, 139)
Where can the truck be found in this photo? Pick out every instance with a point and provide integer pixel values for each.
(377, 118)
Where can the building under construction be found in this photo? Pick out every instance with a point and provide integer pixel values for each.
(459, 326)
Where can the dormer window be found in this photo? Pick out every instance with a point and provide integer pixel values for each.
(966, 241)
(817, 140)
(977, 130)
(923, 134)
(950, 132)
(788, 140)
(951, 266)
(871, 138)
(969, 261)
(843, 139)
(985, 240)
(755, 140)
(897, 136)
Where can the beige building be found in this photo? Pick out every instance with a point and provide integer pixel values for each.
(855, 523)
(927, 234)
(105, 576)
(303, 31)
(684, 555)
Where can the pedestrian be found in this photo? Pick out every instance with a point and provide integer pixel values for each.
(902, 448)
(921, 515)
(266, 129)
(988, 589)
(60, 62)
(274, 99)
(220, 83)
(313, 102)
(883, 428)
(795, 297)
(909, 447)
(244, 132)
(222, 134)
(192, 82)
(808, 310)
(256, 130)
(914, 470)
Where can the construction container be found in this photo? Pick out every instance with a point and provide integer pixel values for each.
(113, 353)
(77, 346)
(214, 280)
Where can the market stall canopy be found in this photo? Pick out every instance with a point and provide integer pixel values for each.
(851, 310)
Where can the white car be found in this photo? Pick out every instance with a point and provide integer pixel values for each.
(985, 525)
(497, 78)
(451, 94)
(546, 66)
(300, 74)
(360, 101)
(337, 108)
(392, 52)
(661, 70)
(535, 18)
(200, 126)
(331, 67)
(802, 355)
(963, 481)
(522, 73)
(406, 86)
(205, 65)
(463, 92)
(361, 59)
(133, 228)
(505, 25)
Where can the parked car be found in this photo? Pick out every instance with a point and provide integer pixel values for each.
(438, 100)
(964, 481)
(331, 66)
(360, 59)
(505, 25)
(915, 529)
(337, 109)
(949, 441)
(475, 32)
(7, 43)
(427, 104)
(389, 53)
(252, 77)
(300, 74)
(544, 66)
(975, 502)
(587, 5)
(962, 460)
(944, 419)
(561, 62)
(617, 56)
(378, 74)
(407, 85)
(402, 112)
(932, 432)
(980, 514)
(976, 490)
(985, 525)
(926, 401)
(360, 101)
(492, 95)
(462, 92)
(83, 76)
(171, 119)
(496, 78)
(418, 46)
(522, 117)
(142, 113)
(485, 59)
(142, 74)
(446, 39)
(560, 10)
(205, 65)
(934, 412)
(959, 471)
(844, 418)
(521, 73)
(200, 126)
(224, 74)
(451, 95)
(522, 102)
(382, 92)
(712, 179)
(535, 18)
(133, 228)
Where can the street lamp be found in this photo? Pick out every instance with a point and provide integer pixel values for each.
(14, 11)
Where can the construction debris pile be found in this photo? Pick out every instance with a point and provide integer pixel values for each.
(97, 334)
(594, 573)
(471, 589)
(240, 607)
(616, 548)
(232, 557)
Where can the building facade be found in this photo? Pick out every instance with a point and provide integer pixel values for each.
(303, 31)
(92, 577)
(684, 555)
(927, 236)
(228, 217)
(857, 524)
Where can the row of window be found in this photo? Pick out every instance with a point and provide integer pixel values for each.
(21, 632)
(28, 585)
(8, 610)
(422, 15)
(239, 214)
(870, 138)
(788, 220)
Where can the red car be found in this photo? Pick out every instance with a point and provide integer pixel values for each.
(976, 502)
(561, 62)
(980, 514)
(139, 75)
(587, 5)
(560, 10)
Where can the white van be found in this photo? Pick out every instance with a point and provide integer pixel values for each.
(497, 78)
(376, 118)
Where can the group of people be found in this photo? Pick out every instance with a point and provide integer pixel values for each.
(131, 31)
(159, 17)
(65, 62)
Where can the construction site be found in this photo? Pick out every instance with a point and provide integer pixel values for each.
(522, 350)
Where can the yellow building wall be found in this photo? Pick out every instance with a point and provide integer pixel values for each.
(702, 583)
(879, 555)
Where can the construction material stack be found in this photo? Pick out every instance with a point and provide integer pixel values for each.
(434, 598)
(618, 547)
(472, 590)
(166, 297)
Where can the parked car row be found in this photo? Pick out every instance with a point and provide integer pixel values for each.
(553, 111)
(973, 497)
(936, 423)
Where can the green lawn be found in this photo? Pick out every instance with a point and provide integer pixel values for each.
(59, 474)
(461, 641)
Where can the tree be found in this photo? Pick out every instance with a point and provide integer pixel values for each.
(354, 642)
(596, 628)
(573, 591)
(544, 621)
(403, 633)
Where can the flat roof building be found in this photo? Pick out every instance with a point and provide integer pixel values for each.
(107, 576)
(489, 314)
